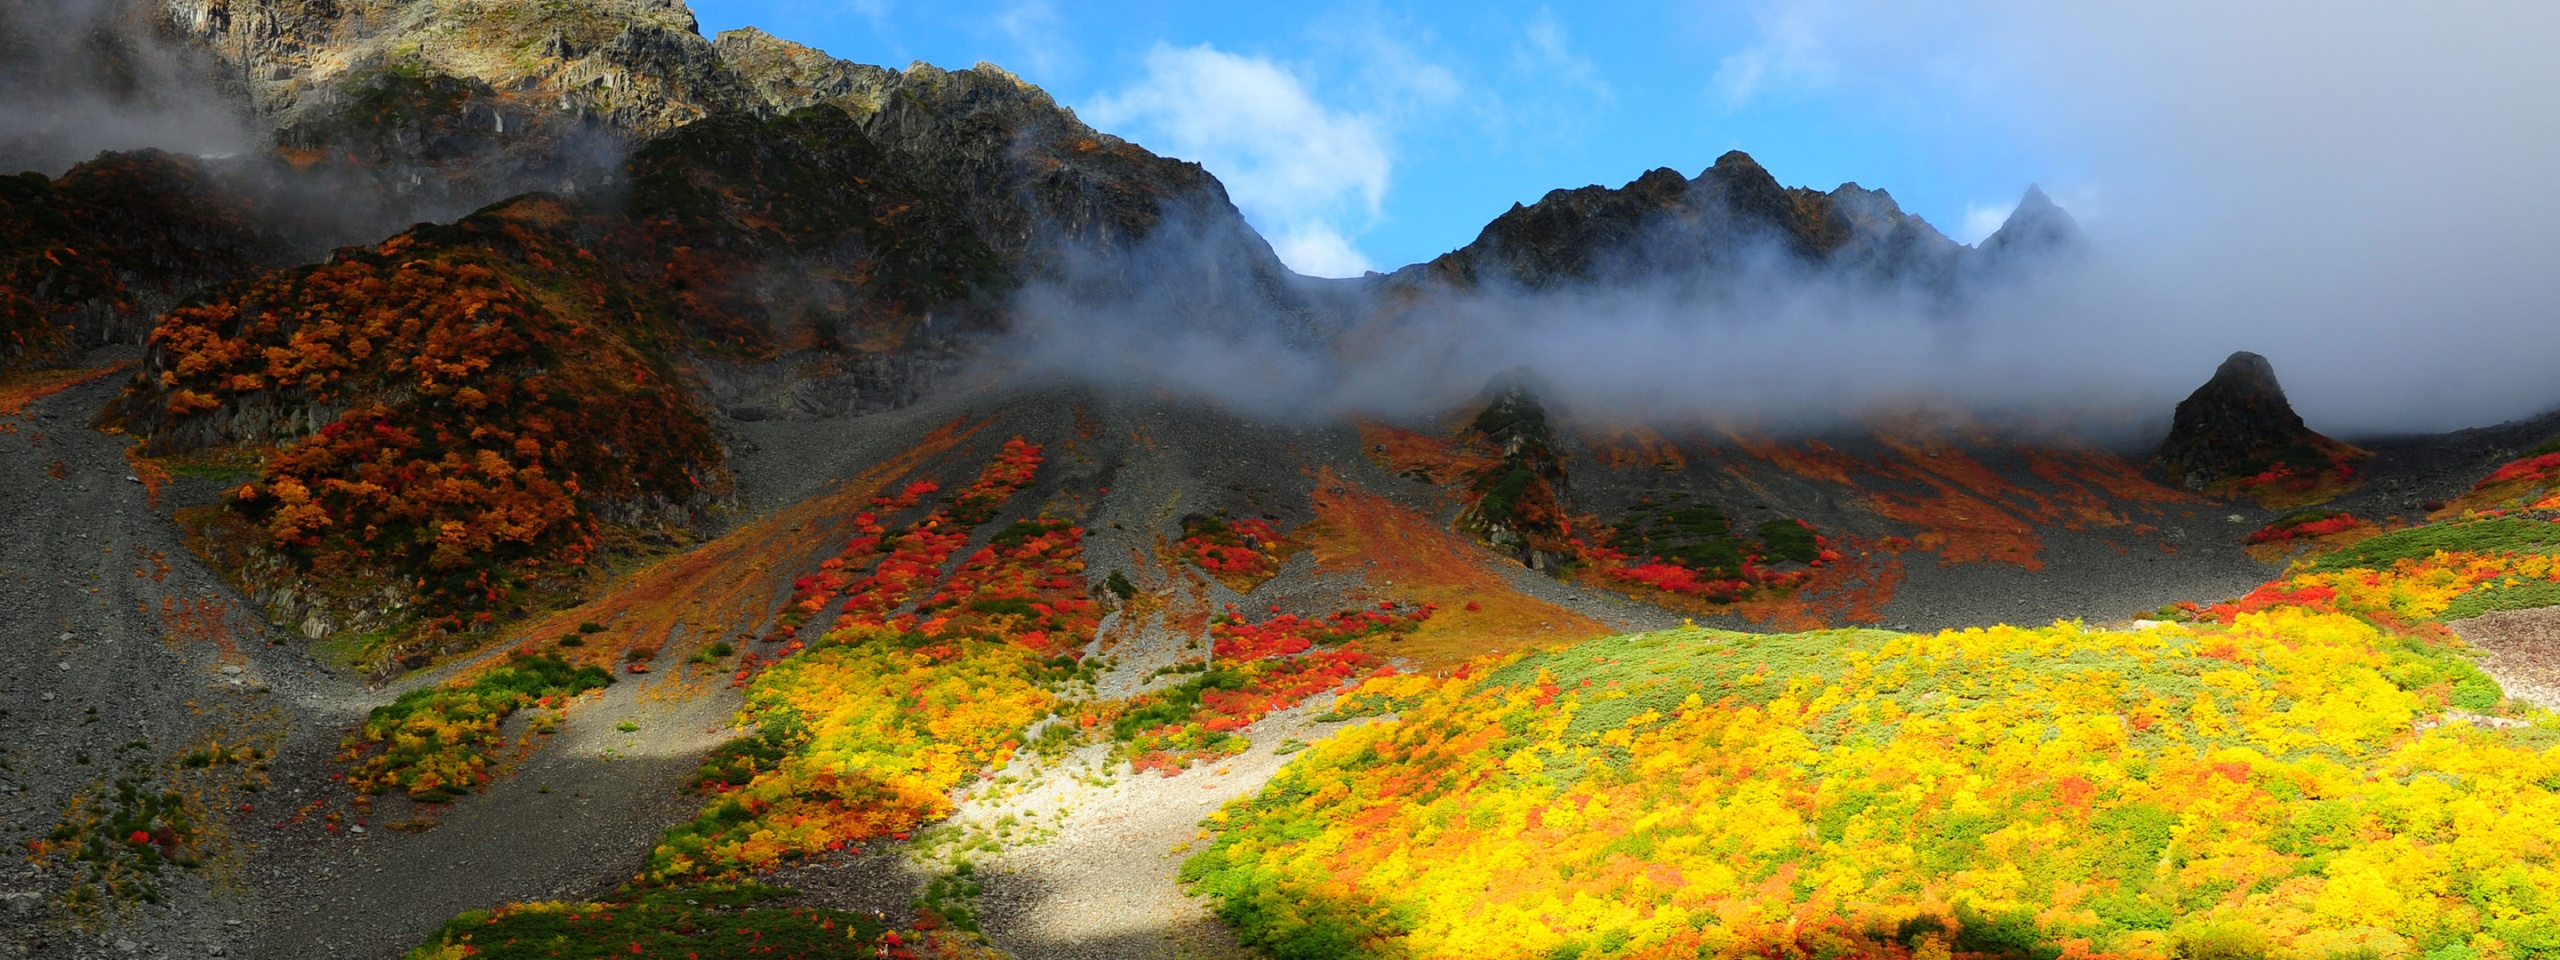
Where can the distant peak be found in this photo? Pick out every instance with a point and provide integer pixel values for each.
(2036, 225)
(2245, 369)
(1735, 161)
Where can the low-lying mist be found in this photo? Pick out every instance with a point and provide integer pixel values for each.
(1759, 339)
(89, 75)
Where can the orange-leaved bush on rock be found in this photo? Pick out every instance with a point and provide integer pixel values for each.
(453, 411)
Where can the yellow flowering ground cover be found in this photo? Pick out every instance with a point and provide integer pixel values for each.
(2275, 779)
(861, 736)
(438, 743)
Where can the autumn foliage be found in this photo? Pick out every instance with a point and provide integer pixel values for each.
(1240, 552)
(438, 743)
(1255, 668)
(2525, 483)
(863, 733)
(91, 255)
(460, 408)
(2274, 779)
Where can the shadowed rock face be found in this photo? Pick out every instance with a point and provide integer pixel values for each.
(2233, 425)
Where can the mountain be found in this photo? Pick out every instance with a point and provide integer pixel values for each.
(742, 229)
(1732, 221)
(449, 107)
(2036, 227)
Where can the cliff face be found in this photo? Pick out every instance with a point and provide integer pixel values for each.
(450, 104)
(386, 112)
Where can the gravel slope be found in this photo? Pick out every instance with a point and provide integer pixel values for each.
(93, 688)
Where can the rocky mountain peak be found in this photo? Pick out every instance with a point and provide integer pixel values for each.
(2037, 225)
(1665, 228)
(2239, 426)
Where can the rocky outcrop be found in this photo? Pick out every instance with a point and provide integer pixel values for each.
(2238, 434)
(1517, 504)
(1055, 199)
(93, 256)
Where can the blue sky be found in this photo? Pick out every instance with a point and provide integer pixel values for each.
(1373, 134)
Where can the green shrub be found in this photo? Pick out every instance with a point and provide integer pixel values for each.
(2493, 598)
(2477, 536)
(2217, 940)
(1789, 540)
(952, 898)
(1025, 529)
(2007, 935)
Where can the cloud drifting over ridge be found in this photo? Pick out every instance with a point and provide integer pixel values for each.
(2365, 199)
(1301, 172)
(2363, 194)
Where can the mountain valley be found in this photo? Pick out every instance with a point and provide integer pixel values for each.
(568, 486)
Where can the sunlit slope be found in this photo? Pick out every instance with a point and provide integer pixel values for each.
(2276, 778)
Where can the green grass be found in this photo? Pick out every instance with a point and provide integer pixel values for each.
(952, 898)
(458, 723)
(736, 762)
(2490, 599)
(1173, 706)
(2477, 536)
(529, 676)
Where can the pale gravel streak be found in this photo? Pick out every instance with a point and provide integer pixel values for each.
(1105, 885)
(2520, 649)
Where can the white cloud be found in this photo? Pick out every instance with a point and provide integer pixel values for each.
(1553, 53)
(2366, 197)
(1298, 170)
(1316, 250)
(1981, 221)
(1035, 27)
(1789, 55)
